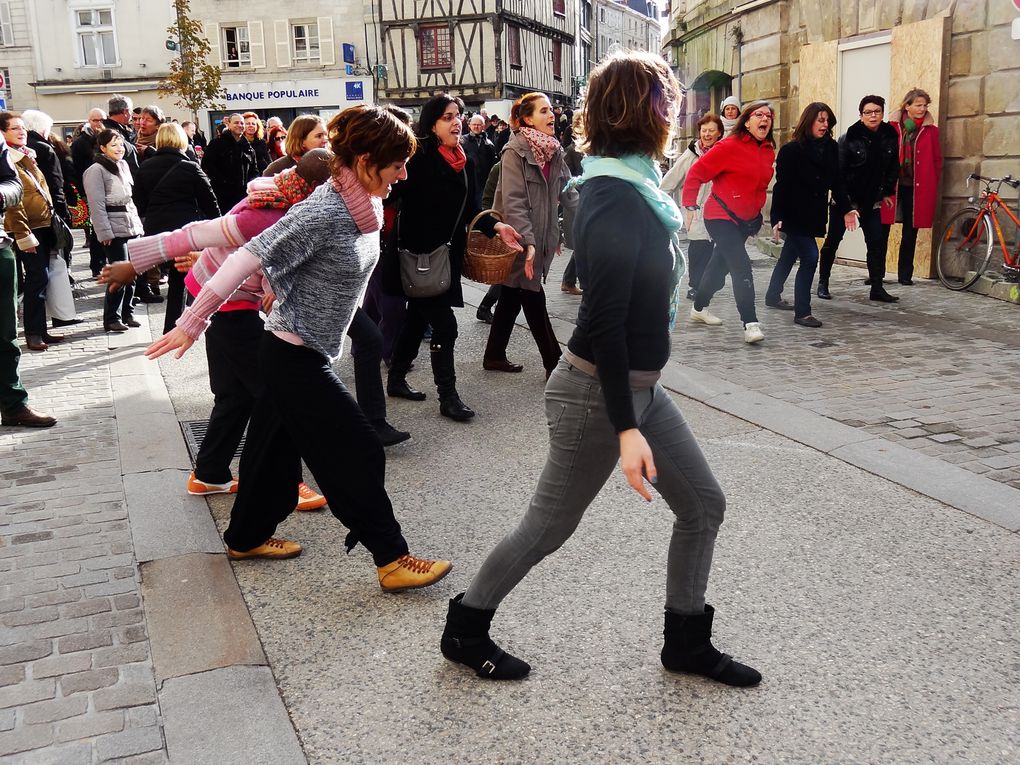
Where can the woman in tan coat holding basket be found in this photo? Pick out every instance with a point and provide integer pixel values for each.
(530, 184)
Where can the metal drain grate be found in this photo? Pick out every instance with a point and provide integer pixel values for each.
(194, 433)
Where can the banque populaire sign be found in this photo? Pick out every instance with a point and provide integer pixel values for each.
(296, 93)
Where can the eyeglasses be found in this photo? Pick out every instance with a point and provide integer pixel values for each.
(871, 112)
(762, 115)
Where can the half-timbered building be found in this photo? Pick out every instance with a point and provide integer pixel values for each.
(481, 50)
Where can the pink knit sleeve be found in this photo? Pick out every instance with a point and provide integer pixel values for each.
(231, 275)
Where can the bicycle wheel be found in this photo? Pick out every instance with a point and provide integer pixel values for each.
(964, 248)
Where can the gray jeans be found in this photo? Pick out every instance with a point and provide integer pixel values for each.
(583, 450)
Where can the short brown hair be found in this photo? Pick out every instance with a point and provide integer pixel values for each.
(524, 107)
(714, 118)
(741, 127)
(371, 130)
(630, 107)
(6, 118)
(299, 130)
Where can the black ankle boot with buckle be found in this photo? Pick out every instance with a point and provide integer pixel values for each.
(688, 648)
(466, 641)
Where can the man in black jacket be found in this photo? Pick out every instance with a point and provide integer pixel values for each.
(869, 165)
(480, 149)
(120, 109)
(230, 163)
(14, 409)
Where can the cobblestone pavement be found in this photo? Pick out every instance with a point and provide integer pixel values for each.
(938, 372)
(76, 676)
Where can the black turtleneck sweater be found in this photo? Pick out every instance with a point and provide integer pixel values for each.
(623, 259)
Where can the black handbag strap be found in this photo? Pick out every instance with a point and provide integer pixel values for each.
(727, 210)
(456, 222)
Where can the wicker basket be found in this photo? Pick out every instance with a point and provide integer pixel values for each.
(486, 260)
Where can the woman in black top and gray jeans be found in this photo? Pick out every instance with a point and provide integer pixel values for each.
(603, 401)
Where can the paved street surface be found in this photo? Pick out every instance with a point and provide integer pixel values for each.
(883, 619)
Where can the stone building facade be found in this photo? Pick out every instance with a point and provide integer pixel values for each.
(793, 52)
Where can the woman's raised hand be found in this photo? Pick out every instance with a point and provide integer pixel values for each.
(116, 275)
(172, 340)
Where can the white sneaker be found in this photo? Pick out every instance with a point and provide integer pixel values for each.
(753, 333)
(705, 317)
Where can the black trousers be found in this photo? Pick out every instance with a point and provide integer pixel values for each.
(699, 254)
(232, 350)
(730, 254)
(833, 236)
(117, 305)
(305, 412)
(176, 298)
(421, 313)
(511, 301)
(367, 352)
(36, 266)
(908, 241)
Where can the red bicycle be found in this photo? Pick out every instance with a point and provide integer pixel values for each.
(965, 247)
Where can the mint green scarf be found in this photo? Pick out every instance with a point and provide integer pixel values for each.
(643, 173)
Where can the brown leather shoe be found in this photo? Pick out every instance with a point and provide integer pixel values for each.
(501, 365)
(35, 343)
(571, 290)
(26, 418)
(52, 339)
(273, 548)
(410, 573)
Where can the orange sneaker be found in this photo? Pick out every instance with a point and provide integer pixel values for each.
(308, 499)
(408, 573)
(272, 548)
(200, 488)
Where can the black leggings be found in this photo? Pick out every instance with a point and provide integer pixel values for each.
(511, 301)
(730, 253)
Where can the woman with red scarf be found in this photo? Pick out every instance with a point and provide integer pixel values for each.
(530, 183)
(920, 168)
(436, 201)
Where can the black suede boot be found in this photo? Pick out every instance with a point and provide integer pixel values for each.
(688, 648)
(466, 641)
(396, 382)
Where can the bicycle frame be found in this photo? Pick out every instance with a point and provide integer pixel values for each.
(992, 203)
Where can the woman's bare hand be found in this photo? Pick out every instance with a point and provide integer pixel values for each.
(636, 461)
(184, 263)
(529, 262)
(173, 340)
(509, 235)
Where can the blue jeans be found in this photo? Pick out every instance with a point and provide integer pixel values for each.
(796, 247)
(730, 254)
(583, 451)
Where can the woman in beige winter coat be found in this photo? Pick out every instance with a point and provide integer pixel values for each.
(531, 181)
(108, 185)
(699, 252)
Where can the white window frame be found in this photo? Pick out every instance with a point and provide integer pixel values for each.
(95, 31)
(311, 54)
(6, 26)
(243, 60)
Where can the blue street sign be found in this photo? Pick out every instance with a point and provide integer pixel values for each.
(348, 70)
(348, 53)
(3, 104)
(355, 91)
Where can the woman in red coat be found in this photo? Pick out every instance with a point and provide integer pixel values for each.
(740, 168)
(920, 168)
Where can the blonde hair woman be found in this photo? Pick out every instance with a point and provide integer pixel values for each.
(255, 132)
(171, 191)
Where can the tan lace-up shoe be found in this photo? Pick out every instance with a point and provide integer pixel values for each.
(273, 548)
(408, 573)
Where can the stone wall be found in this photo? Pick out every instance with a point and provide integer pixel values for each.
(979, 118)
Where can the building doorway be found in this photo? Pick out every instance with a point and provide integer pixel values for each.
(864, 69)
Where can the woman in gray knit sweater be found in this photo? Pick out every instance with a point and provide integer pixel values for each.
(317, 259)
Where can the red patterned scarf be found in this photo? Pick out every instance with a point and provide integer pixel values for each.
(543, 146)
(280, 192)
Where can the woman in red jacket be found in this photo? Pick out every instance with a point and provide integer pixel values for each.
(920, 168)
(740, 168)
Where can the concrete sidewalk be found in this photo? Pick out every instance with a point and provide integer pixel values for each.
(883, 618)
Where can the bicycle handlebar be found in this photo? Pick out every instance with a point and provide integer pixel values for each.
(1008, 180)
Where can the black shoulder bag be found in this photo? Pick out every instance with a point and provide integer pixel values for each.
(747, 227)
(427, 274)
